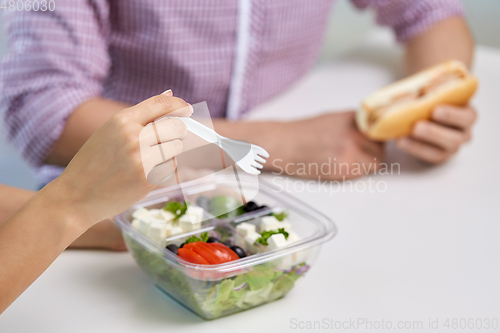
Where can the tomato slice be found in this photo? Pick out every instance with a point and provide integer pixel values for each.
(213, 253)
(188, 246)
(222, 255)
(230, 255)
(206, 251)
(191, 256)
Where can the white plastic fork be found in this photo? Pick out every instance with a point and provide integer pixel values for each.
(250, 158)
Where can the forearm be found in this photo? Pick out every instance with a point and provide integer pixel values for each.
(449, 39)
(11, 200)
(33, 238)
(80, 126)
(102, 235)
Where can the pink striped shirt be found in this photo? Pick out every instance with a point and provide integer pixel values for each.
(232, 54)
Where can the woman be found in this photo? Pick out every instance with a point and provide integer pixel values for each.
(104, 178)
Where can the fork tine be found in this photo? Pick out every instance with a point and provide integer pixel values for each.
(263, 153)
(260, 159)
(257, 171)
(260, 151)
(257, 165)
(250, 169)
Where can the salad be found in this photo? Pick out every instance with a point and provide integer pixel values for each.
(210, 241)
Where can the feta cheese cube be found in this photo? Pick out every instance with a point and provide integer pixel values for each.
(191, 227)
(276, 241)
(158, 232)
(188, 223)
(196, 213)
(156, 213)
(251, 238)
(176, 231)
(152, 219)
(136, 224)
(140, 212)
(145, 221)
(166, 216)
(245, 228)
(250, 242)
(144, 224)
(161, 214)
(268, 223)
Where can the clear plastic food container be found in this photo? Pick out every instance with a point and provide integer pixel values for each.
(213, 291)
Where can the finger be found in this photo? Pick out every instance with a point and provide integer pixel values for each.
(162, 130)
(169, 129)
(158, 106)
(148, 136)
(160, 173)
(443, 137)
(459, 117)
(178, 113)
(168, 149)
(423, 151)
(158, 154)
(183, 112)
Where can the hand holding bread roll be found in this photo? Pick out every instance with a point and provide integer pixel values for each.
(391, 112)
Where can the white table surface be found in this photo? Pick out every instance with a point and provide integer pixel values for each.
(426, 248)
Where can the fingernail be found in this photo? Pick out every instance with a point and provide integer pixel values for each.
(190, 108)
(168, 92)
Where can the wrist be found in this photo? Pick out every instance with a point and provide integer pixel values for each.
(59, 199)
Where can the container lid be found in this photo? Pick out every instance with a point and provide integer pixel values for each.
(316, 228)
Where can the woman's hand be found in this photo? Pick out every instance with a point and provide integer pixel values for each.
(107, 175)
(104, 178)
(437, 140)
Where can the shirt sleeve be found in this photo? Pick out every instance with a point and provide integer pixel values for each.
(409, 18)
(57, 60)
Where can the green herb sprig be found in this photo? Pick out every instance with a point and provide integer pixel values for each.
(280, 216)
(176, 208)
(264, 236)
(204, 238)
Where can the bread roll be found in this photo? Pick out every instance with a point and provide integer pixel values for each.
(391, 112)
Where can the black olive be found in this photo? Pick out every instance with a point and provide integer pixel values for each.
(264, 207)
(250, 206)
(239, 251)
(182, 245)
(213, 240)
(173, 248)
